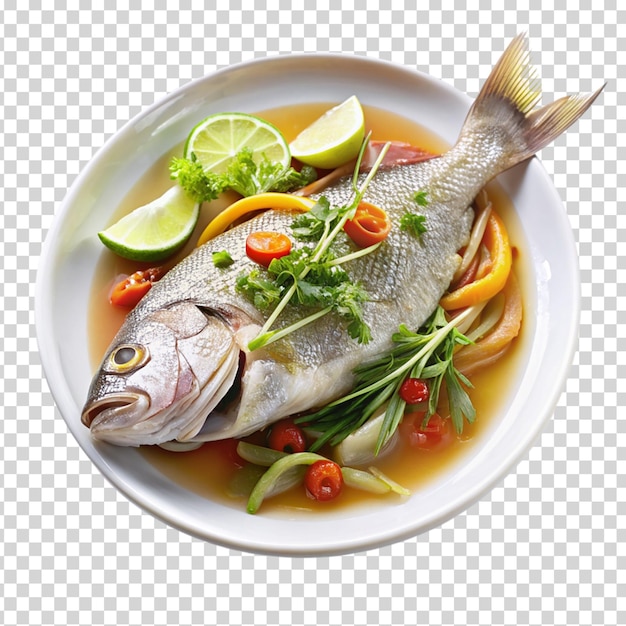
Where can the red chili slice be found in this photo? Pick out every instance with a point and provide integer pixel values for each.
(129, 291)
(370, 225)
(285, 436)
(436, 435)
(263, 247)
(414, 391)
(323, 480)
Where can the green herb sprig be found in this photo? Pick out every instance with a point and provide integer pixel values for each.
(426, 354)
(421, 198)
(414, 223)
(311, 275)
(243, 175)
(200, 185)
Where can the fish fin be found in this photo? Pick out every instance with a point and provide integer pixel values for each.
(508, 97)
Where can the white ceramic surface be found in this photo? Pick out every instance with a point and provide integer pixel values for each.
(72, 251)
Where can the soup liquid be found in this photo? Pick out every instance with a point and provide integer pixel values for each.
(210, 470)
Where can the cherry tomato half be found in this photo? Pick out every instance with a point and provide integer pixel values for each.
(436, 435)
(263, 247)
(370, 225)
(129, 291)
(285, 436)
(414, 391)
(323, 480)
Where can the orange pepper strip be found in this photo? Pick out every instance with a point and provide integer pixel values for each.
(496, 239)
(491, 347)
(270, 200)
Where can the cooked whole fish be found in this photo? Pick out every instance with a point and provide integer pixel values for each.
(179, 368)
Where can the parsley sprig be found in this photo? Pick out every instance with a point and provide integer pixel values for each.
(426, 354)
(312, 275)
(243, 175)
(414, 223)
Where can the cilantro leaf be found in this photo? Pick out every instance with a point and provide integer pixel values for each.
(312, 225)
(313, 284)
(311, 275)
(421, 198)
(263, 292)
(413, 223)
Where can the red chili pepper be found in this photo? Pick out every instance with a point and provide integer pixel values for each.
(263, 247)
(323, 480)
(129, 291)
(434, 436)
(285, 436)
(370, 225)
(414, 391)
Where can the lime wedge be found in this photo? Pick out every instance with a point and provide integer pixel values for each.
(156, 230)
(218, 138)
(333, 139)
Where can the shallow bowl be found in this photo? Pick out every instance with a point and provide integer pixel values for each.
(72, 251)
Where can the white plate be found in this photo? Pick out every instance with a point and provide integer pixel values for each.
(72, 251)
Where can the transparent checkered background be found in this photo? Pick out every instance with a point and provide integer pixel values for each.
(546, 546)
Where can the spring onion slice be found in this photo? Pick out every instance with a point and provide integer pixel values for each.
(359, 479)
(267, 483)
(393, 485)
(478, 230)
(492, 315)
(259, 455)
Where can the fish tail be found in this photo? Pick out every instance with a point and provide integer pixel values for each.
(508, 98)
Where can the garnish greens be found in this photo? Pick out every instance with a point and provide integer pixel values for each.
(426, 354)
(200, 185)
(315, 284)
(312, 275)
(421, 197)
(222, 259)
(243, 175)
(414, 223)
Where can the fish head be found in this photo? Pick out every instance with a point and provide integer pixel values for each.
(161, 376)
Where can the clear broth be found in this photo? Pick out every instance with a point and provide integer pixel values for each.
(205, 471)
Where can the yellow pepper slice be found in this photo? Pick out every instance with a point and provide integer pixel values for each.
(270, 200)
(496, 239)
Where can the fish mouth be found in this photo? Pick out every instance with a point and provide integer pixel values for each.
(115, 411)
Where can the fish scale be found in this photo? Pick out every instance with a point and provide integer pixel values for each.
(139, 395)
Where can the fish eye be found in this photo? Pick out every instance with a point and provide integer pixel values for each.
(124, 355)
(127, 357)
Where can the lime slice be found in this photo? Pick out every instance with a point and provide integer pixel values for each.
(333, 139)
(217, 139)
(156, 230)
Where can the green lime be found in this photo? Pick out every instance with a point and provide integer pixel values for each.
(333, 139)
(218, 138)
(156, 230)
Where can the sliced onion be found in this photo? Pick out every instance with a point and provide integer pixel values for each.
(359, 448)
(494, 345)
(476, 236)
(471, 316)
(491, 316)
